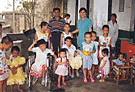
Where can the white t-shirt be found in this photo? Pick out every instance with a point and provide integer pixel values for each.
(71, 50)
(42, 36)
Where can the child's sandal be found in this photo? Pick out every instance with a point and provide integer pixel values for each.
(34, 80)
(101, 80)
(43, 81)
(58, 85)
(85, 80)
(92, 80)
(64, 83)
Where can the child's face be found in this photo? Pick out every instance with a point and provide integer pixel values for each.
(68, 42)
(105, 31)
(133, 58)
(15, 53)
(104, 54)
(87, 37)
(67, 17)
(42, 47)
(66, 27)
(62, 54)
(7, 46)
(120, 57)
(93, 37)
(45, 27)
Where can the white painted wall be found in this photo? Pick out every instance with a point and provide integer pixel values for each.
(123, 18)
(71, 10)
(100, 15)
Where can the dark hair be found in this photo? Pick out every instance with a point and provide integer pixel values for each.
(0, 25)
(16, 48)
(67, 24)
(105, 51)
(7, 40)
(63, 50)
(68, 38)
(43, 24)
(93, 32)
(114, 16)
(88, 33)
(82, 9)
(119, 54)
(42, 41)
(134, 55)
(67, 15)
(105, 26)
(56, 9)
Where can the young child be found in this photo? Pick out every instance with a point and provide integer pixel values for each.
(132, 61)
(39, 67)
(62, 69)
(104, 41)
(16, 74)
(67, 18)
(88, 48)
(4, 72)
(118, 62)
(74, 60)
(95, 55)
(104, 65)
(42, 34)
(65, 34)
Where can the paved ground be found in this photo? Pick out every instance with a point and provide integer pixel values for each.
(77, 85)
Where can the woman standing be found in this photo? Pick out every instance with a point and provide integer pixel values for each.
(83, 25)
(113, 32)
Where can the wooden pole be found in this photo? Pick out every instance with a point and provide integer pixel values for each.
(14, 30)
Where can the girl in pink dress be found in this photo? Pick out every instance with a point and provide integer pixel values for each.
(104, 65)
(62, 69)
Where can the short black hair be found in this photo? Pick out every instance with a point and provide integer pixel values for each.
(56, 9)
(42, 41)
(7, 40)
(105, 26)
(88, 33)
(67, 15)
(67, 24)
(63, 50)
(0, 25)
(113, 14)
(83, 9)
(105, 51)
(134, 55)
(93, 32)
(16, 48)
(43, 24)
(119, 54)
(68, 38)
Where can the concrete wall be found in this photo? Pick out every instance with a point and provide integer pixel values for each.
(124, 18)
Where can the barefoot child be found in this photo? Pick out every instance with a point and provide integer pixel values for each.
(62, 69)
(65, 34)
(4, 72)
(88, 48)
(39, 67)
(75, 60)
(104, 65)
(16, 74)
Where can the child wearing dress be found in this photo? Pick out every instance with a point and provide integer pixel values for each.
(42, 34)
(87, 48)
(65, 34)
(104, 41)
(4, 72)
(95, 55)
(132, 61)
(118, 62)
(39, 67)
(104, 65)
(16, 74)
(62, 69)
(75, 60)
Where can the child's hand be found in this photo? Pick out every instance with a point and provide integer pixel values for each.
(89, 53)
(1, 73)
(66, 63)
(35, 42)
(54, 66)
(7, 57)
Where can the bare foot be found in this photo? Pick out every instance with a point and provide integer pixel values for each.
(114, 79)
(20, 90)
